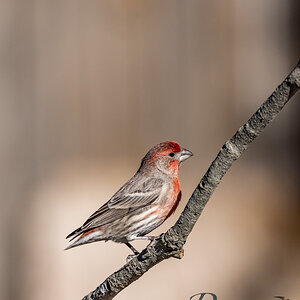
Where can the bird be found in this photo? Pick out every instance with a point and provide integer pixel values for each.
(142, 204)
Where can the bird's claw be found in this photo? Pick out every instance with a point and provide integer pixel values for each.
(130, 257)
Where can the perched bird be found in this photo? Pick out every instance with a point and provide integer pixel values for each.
(141, 204)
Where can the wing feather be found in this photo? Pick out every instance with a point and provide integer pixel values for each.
(129, 197)
(137, 195)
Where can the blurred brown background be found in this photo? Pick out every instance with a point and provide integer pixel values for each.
(87, 87)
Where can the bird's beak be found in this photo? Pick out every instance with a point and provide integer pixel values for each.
(185, 154)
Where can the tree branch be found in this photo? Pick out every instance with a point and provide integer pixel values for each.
(170, 244)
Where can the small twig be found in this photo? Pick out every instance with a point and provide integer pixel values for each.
(170, 244)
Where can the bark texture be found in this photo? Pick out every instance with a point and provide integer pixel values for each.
(170, 244)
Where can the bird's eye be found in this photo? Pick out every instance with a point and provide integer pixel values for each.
(171, 154)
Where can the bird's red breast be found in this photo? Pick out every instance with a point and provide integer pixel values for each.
(174, 196)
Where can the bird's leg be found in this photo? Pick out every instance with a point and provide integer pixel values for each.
(132, 248)
(136, 253)
(131, 256)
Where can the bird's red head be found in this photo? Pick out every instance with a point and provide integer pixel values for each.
(165, 148)
(166, 157)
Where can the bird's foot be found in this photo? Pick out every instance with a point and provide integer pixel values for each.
(149, 246)
(130, 257)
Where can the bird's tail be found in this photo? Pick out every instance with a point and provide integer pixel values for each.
(91, 236)
(74, 234)
(75, 244)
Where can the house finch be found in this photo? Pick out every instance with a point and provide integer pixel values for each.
(141, 204)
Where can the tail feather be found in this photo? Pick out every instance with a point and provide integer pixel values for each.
(77, 243)
(74, 234)
(85, 237)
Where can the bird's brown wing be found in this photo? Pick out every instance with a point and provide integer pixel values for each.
(137, 195)
(132, 195)
(102, 216)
